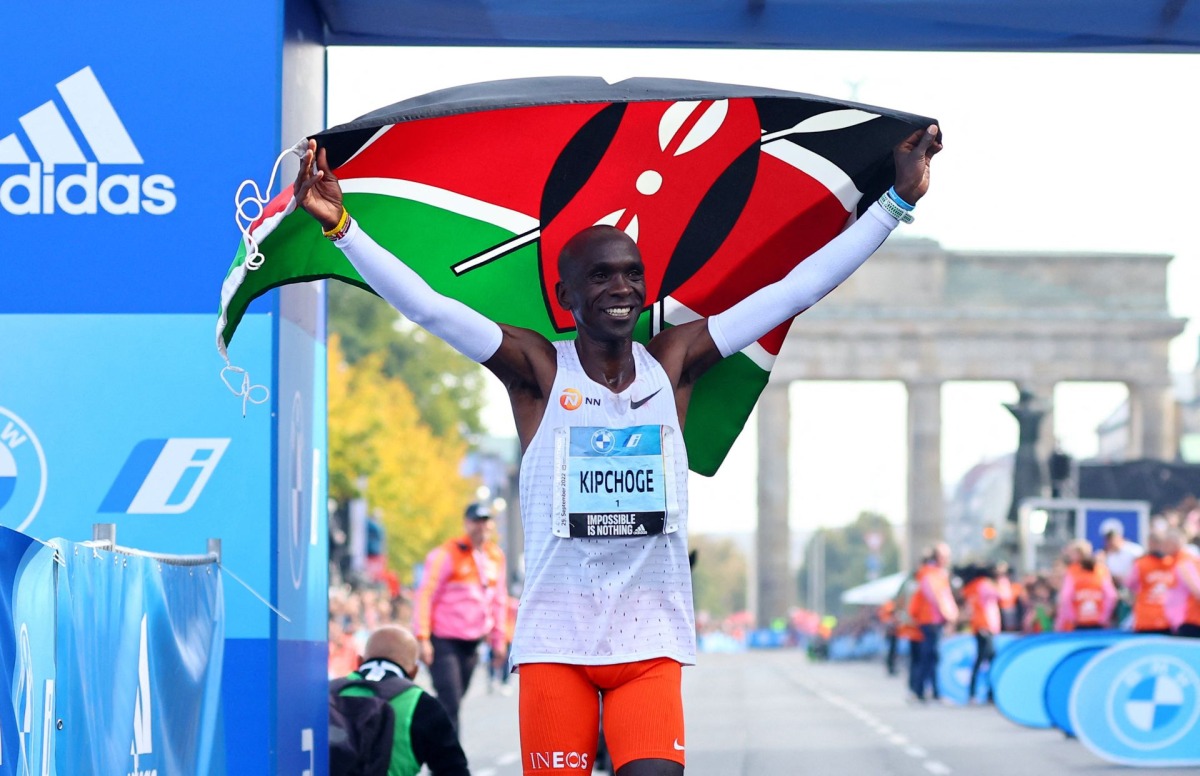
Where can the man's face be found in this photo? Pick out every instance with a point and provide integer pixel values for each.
(479, 531)
(603, 285)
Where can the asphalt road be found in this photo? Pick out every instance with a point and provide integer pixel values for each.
(764, 713)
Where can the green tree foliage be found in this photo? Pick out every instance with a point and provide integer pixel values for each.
(447, 388)
(719, 577)
(846, 557)
(376, 436)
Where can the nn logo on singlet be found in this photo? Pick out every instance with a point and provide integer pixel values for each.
(59, 177)
(572, 399)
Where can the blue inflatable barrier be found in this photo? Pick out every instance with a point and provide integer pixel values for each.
(1057, 697)
(765, 638)
(1020, 688)
(956, 658)
(1005, 655)
(1138, 703)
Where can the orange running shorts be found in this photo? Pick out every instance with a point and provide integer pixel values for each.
(560, 714)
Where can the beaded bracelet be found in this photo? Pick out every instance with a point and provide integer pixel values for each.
(894, 209)
(339, 231)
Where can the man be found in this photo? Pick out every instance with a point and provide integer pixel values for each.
(422, 734)
(609, 615)
(1187, 566)
(1010, 593)
(887, 618)
(462, 600)
(1087, 596)
(1153, 582)
(1120, 553)
(984, 602)
(932, 608)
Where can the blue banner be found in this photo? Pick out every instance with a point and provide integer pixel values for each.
(1098, 521)
(160, 449)
(118, 163)
(117, 661)
(1020, 689)
(1138, 703)
(27, 639)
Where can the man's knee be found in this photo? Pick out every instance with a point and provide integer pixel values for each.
(651, 768)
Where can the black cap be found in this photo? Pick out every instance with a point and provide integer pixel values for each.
(478, 512)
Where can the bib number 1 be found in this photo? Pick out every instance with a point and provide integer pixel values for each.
(612, 483)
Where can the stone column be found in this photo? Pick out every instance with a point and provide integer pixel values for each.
(776, 587)
(1152, 428)
(925, 501)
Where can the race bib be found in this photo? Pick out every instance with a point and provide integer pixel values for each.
(614, 483)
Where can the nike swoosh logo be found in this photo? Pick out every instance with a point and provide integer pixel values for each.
(634, 404)
(674, 743)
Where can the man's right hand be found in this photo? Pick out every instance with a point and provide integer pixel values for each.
(317, 190)
(426, 652)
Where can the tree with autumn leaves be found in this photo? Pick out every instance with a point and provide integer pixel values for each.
(377, 437)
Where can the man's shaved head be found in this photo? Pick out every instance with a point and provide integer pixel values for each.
(394, 643)
(586, 244)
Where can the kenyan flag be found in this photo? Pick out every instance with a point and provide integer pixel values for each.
(724, 188)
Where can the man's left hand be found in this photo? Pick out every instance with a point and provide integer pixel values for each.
(912, 156)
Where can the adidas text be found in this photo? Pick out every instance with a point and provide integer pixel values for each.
(44, 191)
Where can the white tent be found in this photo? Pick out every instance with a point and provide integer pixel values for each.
(876, 591)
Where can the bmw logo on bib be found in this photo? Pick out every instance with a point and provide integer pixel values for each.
(603, 441)
(1138, 703)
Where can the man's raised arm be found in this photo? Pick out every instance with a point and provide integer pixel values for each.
(701, 344)
(501, 349)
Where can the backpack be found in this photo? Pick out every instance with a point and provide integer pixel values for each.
(361, 727)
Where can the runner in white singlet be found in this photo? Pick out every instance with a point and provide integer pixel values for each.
(607, 603)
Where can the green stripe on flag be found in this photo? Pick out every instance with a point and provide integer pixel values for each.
(721, 403)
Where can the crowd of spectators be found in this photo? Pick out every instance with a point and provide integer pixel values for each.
(354, 614)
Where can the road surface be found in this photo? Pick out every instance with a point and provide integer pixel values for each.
(770, 712)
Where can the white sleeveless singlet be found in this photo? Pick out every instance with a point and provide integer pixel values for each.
(621, 598)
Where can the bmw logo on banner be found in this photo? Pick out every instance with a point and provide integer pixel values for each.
(22, 471)
(1139, 703)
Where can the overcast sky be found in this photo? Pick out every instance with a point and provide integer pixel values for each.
(1043, 152)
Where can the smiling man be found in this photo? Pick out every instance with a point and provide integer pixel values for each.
(607, 602)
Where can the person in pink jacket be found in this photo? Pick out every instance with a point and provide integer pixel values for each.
(462, 600)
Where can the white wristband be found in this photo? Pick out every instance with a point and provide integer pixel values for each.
(893, 209)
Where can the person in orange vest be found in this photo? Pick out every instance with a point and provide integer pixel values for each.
(1087, 596)
(462, 601)
(933, 608)
(983, 600)
(906, 628)
(887, 618)
(1187, 565)
(1152, 581)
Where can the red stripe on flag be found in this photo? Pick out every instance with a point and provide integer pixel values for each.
(491, 156)
(788, 217)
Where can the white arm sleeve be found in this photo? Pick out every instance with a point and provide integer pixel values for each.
(804, 286)
(465, 330)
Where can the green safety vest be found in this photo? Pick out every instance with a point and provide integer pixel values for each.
(404, 704)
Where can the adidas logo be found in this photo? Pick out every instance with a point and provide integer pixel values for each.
(640, 531)
(44, 190)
